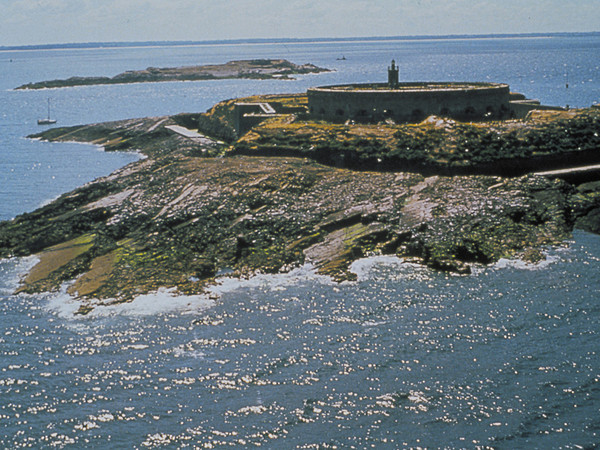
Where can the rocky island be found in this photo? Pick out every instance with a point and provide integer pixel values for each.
(293, 190)
(256, 69)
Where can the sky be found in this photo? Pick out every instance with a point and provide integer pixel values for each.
(32, 22)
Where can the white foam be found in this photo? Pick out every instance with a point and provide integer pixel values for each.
(363, 267)
(373, 323)
(48, 201)
(12, 270)
(525, 265)
(194, 354)
(159, 302)
(271, 282)
(136, 347)
(62, 305)
(253, 409)
(167, 301)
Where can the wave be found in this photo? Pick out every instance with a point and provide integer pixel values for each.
(12, 270)
(269, 282)
(163, 301)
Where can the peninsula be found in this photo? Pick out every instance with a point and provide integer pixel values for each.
(442, 174)
(256, 69)
(293, 191)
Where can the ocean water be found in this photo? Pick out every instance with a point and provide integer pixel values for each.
(405, 357)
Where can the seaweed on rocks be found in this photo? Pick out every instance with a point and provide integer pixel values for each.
(190, 209)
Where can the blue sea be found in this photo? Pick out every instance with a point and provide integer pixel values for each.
(508, 357)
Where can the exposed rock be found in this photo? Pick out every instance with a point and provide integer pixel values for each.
(186, 213)
(586, 206)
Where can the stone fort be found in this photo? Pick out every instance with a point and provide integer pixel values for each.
(413, 102)
(400, 103)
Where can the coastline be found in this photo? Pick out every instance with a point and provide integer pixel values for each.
(159, 44)
(190, 210)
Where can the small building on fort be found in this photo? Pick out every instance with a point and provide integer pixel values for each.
(413, 102)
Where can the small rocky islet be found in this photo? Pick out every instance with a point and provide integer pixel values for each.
(294, 191)
(252, 69)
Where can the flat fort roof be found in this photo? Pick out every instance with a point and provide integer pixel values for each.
(415, 87)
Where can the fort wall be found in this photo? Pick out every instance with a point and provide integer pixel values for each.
(401, 102)
(410, 102)
(248, 115)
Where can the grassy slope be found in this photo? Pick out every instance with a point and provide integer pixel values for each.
(545, 140)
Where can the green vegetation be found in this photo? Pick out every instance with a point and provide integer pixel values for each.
(447, 147)
(176, 219)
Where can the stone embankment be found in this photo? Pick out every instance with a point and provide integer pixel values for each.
(547, 140)
(193, 209)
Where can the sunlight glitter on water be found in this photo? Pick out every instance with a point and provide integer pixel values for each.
(506, 357)
(291, 360)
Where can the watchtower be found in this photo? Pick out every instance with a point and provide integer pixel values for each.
(393, 75)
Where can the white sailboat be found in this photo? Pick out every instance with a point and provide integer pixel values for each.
(48, 120)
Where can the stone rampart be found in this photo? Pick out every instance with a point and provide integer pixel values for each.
(410, 102)
(248, 115)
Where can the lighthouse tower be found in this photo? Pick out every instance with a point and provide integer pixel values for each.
(393, 75)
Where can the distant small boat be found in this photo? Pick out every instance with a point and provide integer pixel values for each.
(343, 58)
(48, 120)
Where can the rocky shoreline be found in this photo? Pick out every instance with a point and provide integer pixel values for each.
(255, 69)
(193, 209)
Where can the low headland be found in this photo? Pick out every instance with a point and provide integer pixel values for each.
(293, 191)
(254, 69)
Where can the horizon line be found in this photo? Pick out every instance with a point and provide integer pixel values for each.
(73, 45)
